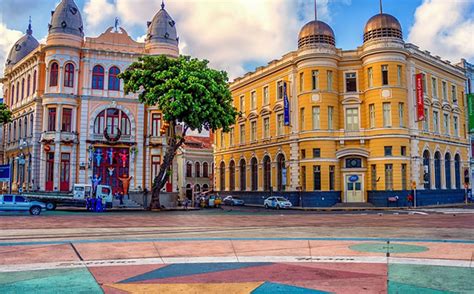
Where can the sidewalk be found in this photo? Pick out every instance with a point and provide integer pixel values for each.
(458, 205)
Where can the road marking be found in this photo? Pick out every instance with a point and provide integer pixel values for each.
(418, 212)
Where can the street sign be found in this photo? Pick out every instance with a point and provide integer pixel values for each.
(5, 173)
(354, 178)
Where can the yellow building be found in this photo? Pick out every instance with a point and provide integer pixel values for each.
(353, 134)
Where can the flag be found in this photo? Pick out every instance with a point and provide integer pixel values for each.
(286, 106)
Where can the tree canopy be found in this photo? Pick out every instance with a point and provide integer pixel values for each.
(5, 114)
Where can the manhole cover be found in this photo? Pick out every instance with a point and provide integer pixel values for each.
(384, 247)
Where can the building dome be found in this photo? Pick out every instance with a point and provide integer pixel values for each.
(314, 33)
(66, 19)
(24, 46)
(162, 29)
(382, 26)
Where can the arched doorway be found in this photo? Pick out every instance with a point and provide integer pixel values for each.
(437, 166)
(243, 175)
(281, 172)
(254, 171)
(267, 174)
(189, 192)
(447, 170)
(426, 170)
(232, 175)
(222, 176)
(205, 188)
(457, 170)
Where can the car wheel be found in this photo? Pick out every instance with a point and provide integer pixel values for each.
(232, 203)
(278, 206)
(35, 210)
(50, 206)
(266, 206)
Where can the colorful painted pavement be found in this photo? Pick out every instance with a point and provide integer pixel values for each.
(233, 266)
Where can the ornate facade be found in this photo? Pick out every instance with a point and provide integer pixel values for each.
(352, 119)
(71, 119)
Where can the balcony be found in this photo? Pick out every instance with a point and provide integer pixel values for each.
(156, 140)
(64, 137)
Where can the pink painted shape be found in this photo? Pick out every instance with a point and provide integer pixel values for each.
(36, 254)
(99, 251)
(115, 274)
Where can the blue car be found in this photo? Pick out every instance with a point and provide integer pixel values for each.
(20, 203)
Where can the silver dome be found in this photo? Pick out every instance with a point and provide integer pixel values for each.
(24, 46)
(162, 28)
(66, 19)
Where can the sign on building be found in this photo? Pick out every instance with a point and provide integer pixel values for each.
(5, 173)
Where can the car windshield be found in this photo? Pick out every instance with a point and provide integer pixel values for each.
(281, 199)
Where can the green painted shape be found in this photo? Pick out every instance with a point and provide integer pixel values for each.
(77, 280)
(393, 248)
(444, 279)
(395, 287)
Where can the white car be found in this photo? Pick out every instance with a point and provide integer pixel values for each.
(277, 202)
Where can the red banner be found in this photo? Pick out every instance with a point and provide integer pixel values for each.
(420, 102)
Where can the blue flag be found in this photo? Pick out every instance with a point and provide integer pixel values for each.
(286, 106)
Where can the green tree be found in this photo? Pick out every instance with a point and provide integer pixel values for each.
(5, 114)
(189, 94)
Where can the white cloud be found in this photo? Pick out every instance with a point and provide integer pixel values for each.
(229, 33)
(96, 12)
(7, 40)
(446, 28)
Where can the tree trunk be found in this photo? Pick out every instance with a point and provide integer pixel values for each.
(160, 180)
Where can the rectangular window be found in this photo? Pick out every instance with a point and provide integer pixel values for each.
(453, 94)
(403, 150)
(317, 177)
(280, 124)
(155, 166)
(404, 176)
(303, 153)
(242, 104)
(52, 119)
(372, 116)
(253, 100)
(301, 81)
(330, 80)
(388, 177)
(384, 75)
(446, 124)
(155, 124)
(280, 90)
(222, 140)
(423, 79)
(370, 77)
(316, 152)
(352, 119)
(332, 177)
(242, 134)
(426, 121)
(401, 114)
(330, 118)
(456, 126)
(315, 79)
(435, 121)
(373, 179)
(399, 75)
(253, 133)
(266, 128)
(444, 89)
(303, 178)
(351, 82)
(387, 115)
(66, 120)
(302, 118)
(387, 150)
(231, 137)
(316, 124)
(434, 88)
(266, 97)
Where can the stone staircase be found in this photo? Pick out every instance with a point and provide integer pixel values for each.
(358, 205)
(127, 203)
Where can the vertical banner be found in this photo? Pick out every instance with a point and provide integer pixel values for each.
(5, 173)
(420, 102)
(470, 110)
(286, 105)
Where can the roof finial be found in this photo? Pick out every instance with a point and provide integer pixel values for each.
(162, 4)
(381, 7)
(315, 11)
(29, 31)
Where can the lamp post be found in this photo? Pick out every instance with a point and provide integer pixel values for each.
(21, 163)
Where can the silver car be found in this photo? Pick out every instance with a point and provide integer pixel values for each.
(277, 202)
(20, 203)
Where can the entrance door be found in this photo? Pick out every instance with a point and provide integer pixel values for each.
(111, 163)
(65, 172)
(49, 181)
(354, 191)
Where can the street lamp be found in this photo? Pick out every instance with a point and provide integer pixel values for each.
(21, 162)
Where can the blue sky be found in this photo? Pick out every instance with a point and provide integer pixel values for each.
(238, 35)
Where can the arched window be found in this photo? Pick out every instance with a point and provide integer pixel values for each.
(9, 133)
(198, 169)
(281, 181)
(53, 75)
(457, 170)
(98, 77)
(114, 81)
(22, 89)
(28, 84)
(254, 174)
(17, 92)
(205, 187)
(222, 176)
(437, 166)
(34, 82)
(19, 129)
(25, 121)
(69, 75)
(14, 131)
(267, 174)
(447, 170)
(197, 188)
(12, 95)
(112, 119)
(232, 175)
(426, 170)
(205, 170)
(189, 170)
(243, 175)
(31, 125)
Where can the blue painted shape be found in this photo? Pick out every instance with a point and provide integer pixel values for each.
(276, 288)
(179, 270)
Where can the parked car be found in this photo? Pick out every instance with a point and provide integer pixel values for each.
(214, 201)
(232, 200)
(20, 203)
(277, 202)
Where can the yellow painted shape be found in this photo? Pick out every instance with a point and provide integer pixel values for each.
(228, 288)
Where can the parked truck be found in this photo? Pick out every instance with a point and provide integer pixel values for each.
(78, 198)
